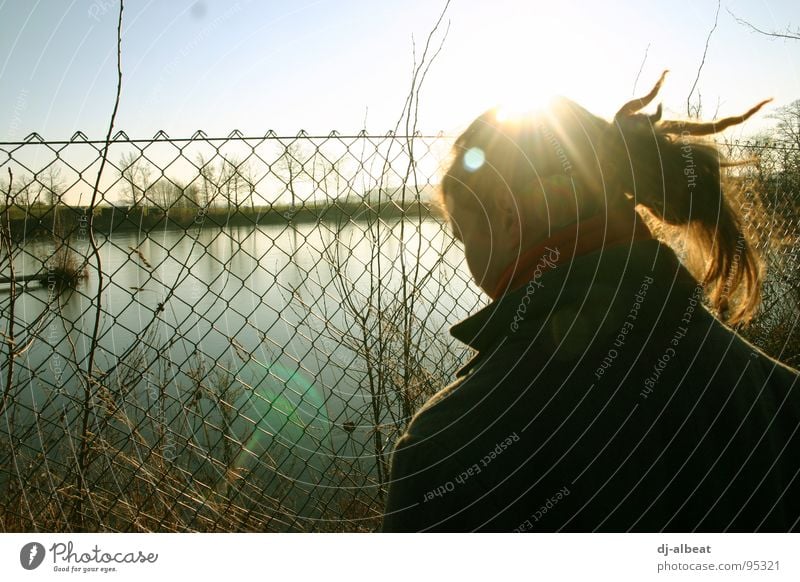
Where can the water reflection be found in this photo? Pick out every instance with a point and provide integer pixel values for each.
(236, 342)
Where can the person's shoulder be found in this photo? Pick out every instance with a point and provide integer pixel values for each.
(746, 351)
(778, 372)
(439, 411)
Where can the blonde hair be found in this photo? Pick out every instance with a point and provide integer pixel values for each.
(661, 165)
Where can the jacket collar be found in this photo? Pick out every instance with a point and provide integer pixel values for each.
(567, 282)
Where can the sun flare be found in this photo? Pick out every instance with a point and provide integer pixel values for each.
(518, 105)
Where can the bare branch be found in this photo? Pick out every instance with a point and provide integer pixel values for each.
(702, 63)
(641, 67)
(789, 33)
(5, 230)
(421, 69)
(96, 253)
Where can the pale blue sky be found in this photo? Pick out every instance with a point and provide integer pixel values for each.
(326, 64)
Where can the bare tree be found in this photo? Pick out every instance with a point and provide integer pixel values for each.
(52, 184)
(222, 182)
(788, 126)
(786, 151)
(232, 180)
(327, 176)
(250, 180)
(165, 194)
(290, 168)
(386, 325)
(190, 197)
(135, 172)
(27, 193)
(209, 183)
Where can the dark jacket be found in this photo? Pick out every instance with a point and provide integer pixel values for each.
(603, 397)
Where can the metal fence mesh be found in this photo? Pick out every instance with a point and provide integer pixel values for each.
(256, 324)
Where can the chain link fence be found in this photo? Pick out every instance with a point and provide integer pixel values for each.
(233, 333)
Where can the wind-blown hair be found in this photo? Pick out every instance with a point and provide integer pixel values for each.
(661, 165)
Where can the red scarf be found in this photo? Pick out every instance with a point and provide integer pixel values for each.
(615, 227)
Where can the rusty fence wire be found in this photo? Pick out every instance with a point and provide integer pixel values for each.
(232, 335)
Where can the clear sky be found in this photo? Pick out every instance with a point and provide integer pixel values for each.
(320, 65)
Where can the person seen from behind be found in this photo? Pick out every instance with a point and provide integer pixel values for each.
(607, 391)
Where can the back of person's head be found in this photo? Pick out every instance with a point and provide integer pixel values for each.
(504, 162)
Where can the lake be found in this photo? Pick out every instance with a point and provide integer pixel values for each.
(251, 353)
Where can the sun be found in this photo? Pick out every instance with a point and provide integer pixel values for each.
(520, 104)
(520, 68)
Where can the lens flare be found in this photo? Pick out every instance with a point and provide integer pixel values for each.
(505, 113)
(285, 407)
(522, 106)
(474, 158)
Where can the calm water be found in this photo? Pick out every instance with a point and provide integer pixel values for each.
(268, 310)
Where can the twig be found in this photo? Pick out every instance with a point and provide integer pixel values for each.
(378, 325)
(6, 234)
(790, 34)
(641, 67)
(409, 298)
(702, 62)
(96, 253)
